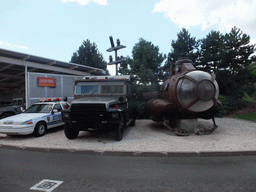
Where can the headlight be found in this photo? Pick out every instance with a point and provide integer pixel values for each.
(23, 123)
(18, 123)
(1, 122)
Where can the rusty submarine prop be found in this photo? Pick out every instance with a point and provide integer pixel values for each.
(188, 94)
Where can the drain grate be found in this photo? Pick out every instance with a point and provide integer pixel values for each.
(46, 185)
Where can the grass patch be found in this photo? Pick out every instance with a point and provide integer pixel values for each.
(248, 116)
(248, 99)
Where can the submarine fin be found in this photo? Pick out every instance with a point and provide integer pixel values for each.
(158, 108)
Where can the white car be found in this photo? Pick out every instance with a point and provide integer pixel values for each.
(36, 119)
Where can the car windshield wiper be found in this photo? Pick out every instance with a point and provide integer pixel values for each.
(112, 92)
(93, 92)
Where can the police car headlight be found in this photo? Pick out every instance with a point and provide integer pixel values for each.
(17, 123)
(1, 122)
(23, 123)
(115, 115)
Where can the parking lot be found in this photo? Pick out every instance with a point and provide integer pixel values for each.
(147, 138)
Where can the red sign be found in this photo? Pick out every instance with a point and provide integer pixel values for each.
(45, 82)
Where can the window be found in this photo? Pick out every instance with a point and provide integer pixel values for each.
(17, 102)
(58, 107)
(39, 108)
(87, 89)
(112, 89)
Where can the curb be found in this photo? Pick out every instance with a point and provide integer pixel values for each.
(135, 153)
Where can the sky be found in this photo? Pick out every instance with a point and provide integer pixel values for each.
(55, 29)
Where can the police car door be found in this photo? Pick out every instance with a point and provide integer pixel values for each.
(56, 117)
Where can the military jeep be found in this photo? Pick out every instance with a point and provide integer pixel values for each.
(101, 104)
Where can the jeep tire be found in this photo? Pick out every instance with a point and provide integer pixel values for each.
(119, 129)
(133, 122)
(71, 131)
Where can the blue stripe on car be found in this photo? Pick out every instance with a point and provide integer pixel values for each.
(54, 122)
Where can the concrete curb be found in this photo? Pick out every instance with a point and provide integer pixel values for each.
(135, 153)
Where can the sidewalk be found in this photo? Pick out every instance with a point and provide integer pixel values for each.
(147, 138)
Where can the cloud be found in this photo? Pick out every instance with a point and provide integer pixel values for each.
(220, 14)
(13, 46)
(85, 2)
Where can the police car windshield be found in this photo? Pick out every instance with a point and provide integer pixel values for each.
(39, 108)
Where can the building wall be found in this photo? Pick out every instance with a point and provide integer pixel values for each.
(64, 86)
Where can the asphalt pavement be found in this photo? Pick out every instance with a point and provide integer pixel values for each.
(147, 138)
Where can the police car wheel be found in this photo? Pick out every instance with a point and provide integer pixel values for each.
(71, 131)
(40, 129)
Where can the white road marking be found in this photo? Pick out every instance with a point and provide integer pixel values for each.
(46, 185)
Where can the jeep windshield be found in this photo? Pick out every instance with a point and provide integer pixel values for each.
(87, 89)
(112, 89)
(99, 89)
(39, 108)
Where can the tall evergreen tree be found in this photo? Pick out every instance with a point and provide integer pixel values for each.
(146, 62)
(184, 46)
(88, 55)
(252, 67)
(233, 75)
(211, 51)
(237, 51)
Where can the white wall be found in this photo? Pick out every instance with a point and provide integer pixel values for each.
(64, 87)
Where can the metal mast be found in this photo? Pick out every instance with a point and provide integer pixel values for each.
(113, 48)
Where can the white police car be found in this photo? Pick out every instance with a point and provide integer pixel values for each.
(36, 119)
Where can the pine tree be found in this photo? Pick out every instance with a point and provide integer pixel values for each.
(233, 75)
(184, 46)
(88, 55)
(146, 62)
(211, 51)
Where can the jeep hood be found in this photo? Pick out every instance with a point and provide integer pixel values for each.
(96, 100)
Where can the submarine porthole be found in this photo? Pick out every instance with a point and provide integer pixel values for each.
(186, 91)
(195, 91)
(205, 90)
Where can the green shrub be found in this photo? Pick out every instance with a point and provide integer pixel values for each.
(141, 106)
(248, 99)
(230, 104)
